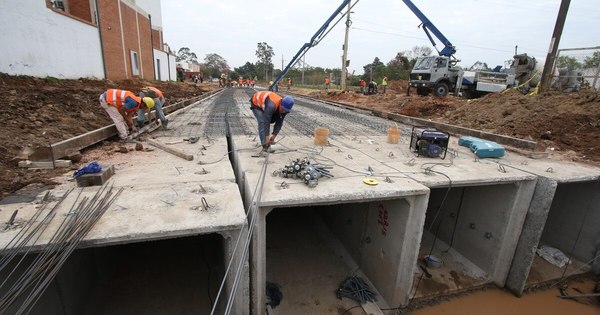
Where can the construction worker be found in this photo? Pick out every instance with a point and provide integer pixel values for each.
(327, 82)
(289, 84)
(269, 108)
(159, 101)
(121, 105)
(384, 84)
(372, 87)
(362, 85)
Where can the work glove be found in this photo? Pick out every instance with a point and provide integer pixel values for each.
(91, 168)
(272, 139)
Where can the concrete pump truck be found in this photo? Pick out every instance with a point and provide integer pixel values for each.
(438, 75)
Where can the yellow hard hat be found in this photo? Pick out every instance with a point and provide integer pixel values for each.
(149, 102)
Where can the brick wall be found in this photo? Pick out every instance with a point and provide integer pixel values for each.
(81, 9)
(157, 39)
(146, 46)
(111, 39)
(118, 58)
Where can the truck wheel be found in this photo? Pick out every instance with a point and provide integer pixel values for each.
(423, 91)
(441, 89)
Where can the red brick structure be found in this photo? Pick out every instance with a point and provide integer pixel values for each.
(127, 36)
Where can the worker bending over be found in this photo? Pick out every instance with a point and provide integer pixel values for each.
(269, 108)
(121, 105)
(159, 101)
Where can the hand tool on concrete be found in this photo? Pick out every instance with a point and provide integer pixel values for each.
(191, 140)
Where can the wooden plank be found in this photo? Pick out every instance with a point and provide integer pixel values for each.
(371, 308)
(173, 151)
(45, 164)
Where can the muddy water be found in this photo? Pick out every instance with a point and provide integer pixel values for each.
(499, 302)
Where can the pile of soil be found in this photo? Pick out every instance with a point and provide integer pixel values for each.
(560, 122)
(40, 111)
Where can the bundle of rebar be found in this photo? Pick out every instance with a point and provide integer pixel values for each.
(29, 278)
(357, 289)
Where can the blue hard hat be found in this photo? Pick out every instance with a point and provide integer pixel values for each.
(287, 103)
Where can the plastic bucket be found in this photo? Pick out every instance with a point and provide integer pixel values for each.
(393, 135)
(321, 136)
(433, 262)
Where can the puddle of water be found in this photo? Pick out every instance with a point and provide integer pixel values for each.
(500, 302)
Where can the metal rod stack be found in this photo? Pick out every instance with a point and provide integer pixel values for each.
(32, 274)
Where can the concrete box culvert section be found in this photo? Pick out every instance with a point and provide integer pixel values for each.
(475, 211)
(382, 243)
(173, 276)
(165, 198)
(564, 214)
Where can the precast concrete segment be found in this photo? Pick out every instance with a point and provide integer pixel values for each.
(164, 197)
(405, 199)
(496, 202)
(564, 194)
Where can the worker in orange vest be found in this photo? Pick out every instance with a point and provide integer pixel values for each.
(327, 81)
(159, 101)
(121, 105)
(362, 85)
(269, 108)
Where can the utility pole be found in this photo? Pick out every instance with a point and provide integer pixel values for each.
(550, 58)
(303, 67)
(345, 55)
(281, 62)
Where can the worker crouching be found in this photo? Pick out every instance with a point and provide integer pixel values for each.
(121, 106)
(269, 108)
(159, 101)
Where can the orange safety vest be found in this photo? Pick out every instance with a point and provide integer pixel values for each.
(259, 98)
(158, 92)
(327, 81)
(116, 98)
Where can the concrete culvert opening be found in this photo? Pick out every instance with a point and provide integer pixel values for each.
(468, 229)
(175, 276)
(312, 250)
(572, 228)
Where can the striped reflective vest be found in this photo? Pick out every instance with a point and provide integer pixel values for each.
(259, 98)
(158, 92)
(117, 98)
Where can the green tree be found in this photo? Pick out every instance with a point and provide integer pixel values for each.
(233, 75)
(185, 54)
(246, 71)
(215, 65)
(399, 67)
(568, 62)
(593, 61)
(265, 54)
(376, 70)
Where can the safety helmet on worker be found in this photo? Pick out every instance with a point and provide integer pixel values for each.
(149, 102)
(287, 103)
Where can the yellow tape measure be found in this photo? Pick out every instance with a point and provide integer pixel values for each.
(370, 181)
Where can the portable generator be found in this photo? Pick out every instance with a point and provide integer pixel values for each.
(429, 142)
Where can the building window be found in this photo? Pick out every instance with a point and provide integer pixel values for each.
(58, 5)
(158, 69)
(135, 65)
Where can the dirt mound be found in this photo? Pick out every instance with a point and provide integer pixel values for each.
(40, 111)
(567, 122)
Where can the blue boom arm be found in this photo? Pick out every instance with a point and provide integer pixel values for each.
(428, 27)
(310, 44)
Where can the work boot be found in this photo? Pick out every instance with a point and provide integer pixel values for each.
(165, 123)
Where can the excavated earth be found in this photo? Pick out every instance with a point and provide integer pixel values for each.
(39, 111)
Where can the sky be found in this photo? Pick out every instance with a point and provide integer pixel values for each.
(481, 30)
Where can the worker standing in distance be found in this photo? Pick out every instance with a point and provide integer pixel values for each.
(159, 101)
(269, 108)
(384, 84)
(327, 81)
(362, 83)
(121, 105)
